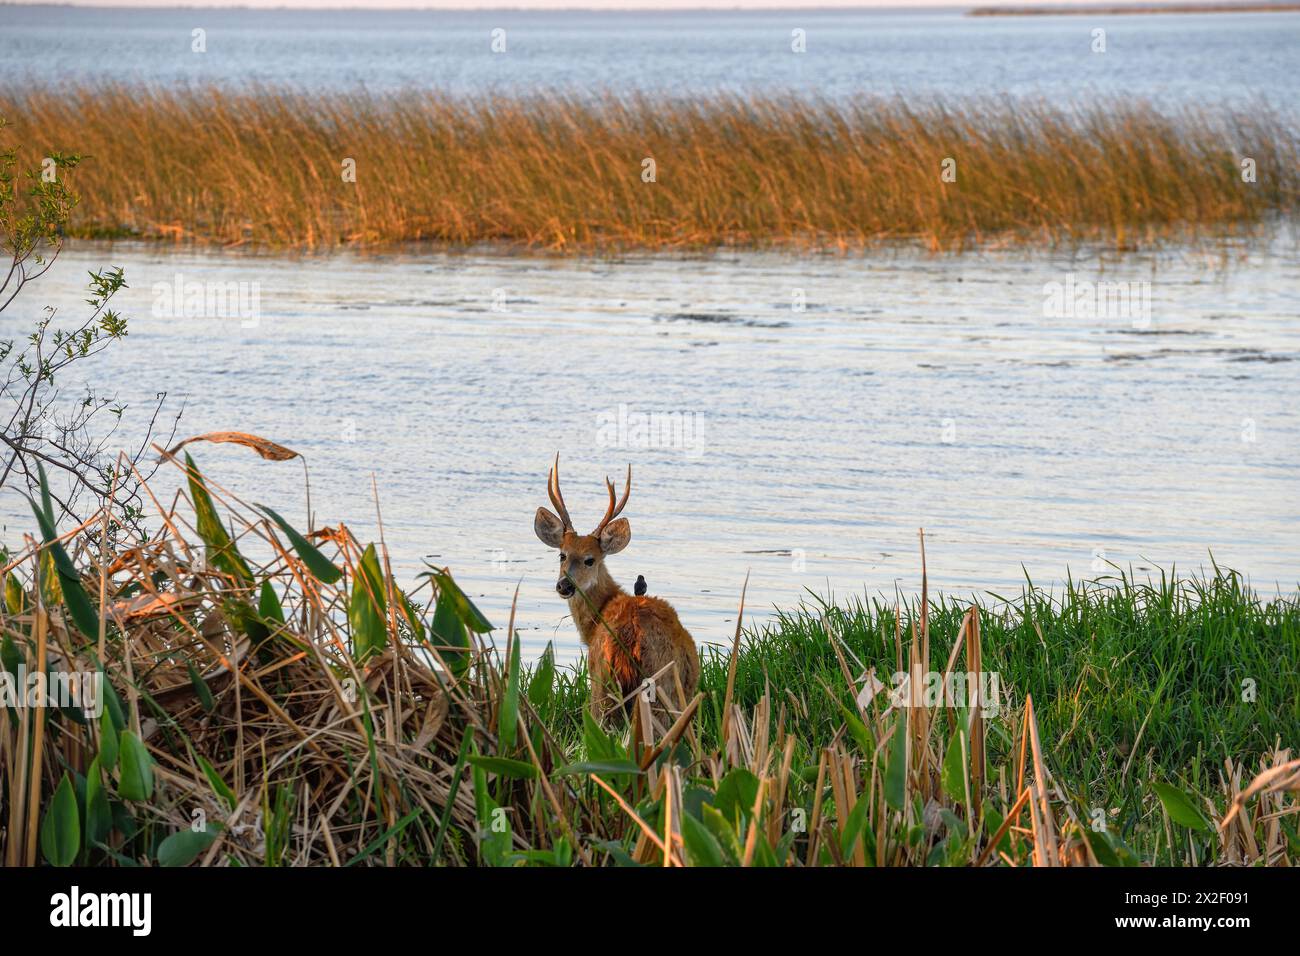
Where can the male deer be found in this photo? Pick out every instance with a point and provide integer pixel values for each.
(629, 638)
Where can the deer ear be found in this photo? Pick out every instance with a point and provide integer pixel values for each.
(615, 536)
(549, 528)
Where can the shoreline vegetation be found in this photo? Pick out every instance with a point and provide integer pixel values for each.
(308, 710)
(279, 169)
(1110, 10)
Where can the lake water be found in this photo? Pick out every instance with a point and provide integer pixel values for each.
(1230, 59)
(825, 409)
(809, 413)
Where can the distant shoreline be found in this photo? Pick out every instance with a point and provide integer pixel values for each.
(1110, 11)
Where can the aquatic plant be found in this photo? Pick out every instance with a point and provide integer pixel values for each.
(566, 173)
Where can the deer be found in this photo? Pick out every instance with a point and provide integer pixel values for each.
(629, 638)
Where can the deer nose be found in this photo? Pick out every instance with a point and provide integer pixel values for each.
(564, 587)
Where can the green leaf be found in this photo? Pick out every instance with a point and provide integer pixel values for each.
(896, 766)
(218, 785)
(268, 605)
(58, 570)
(222, 552)
(954, 769)
(494, 844)
(598, 744)
(447, 633)
(200, 688)
(508, 715)
(322, 569)
(722, 832)
(99, 815)
(15, 600)
(368, 607)
(736, 794)
(1180, 807)
(183, 847)
(702, 848)
(469, 615)
(107, 741)
(10, 656)
(1110, 850)
(61, 828)
(504, 767)
(136, 779)
(853, 825)
(541, 687)
(858, 730)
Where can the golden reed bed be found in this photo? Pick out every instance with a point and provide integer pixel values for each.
(563, 173)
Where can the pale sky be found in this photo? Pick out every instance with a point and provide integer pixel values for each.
(587, 4)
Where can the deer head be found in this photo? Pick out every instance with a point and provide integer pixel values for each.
(582, 556)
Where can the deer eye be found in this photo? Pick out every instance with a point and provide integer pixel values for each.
(589, 562)
(561, 557)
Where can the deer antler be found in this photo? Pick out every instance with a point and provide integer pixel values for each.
(557, 499)
(614, 510)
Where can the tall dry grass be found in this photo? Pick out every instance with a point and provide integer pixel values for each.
(565, 173)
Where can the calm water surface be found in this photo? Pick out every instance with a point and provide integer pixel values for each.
(826, 408)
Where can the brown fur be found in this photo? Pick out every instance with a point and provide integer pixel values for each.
(628, 638)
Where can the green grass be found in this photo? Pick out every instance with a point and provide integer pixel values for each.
(1134, 682)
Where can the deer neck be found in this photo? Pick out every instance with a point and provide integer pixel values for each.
(586, 609)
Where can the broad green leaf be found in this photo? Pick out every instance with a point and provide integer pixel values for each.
(136, 779)
(268, 604)
(541, 687)
(722, 832)
(61, 828)
(954, 769)
(736, 795)
(858, 730)
(113, 706)
(368, 607)
(1180, 807)
(469, 615)
(702, 848)
(15, 600)
(222, 552)
(322, 569)
(183, 847)
(10, 656)
(852, 827)
(107, 741)
(508, 715)
(896, 765)
(493, 821)
(448, 631)
(99, 816)
(599, 745)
